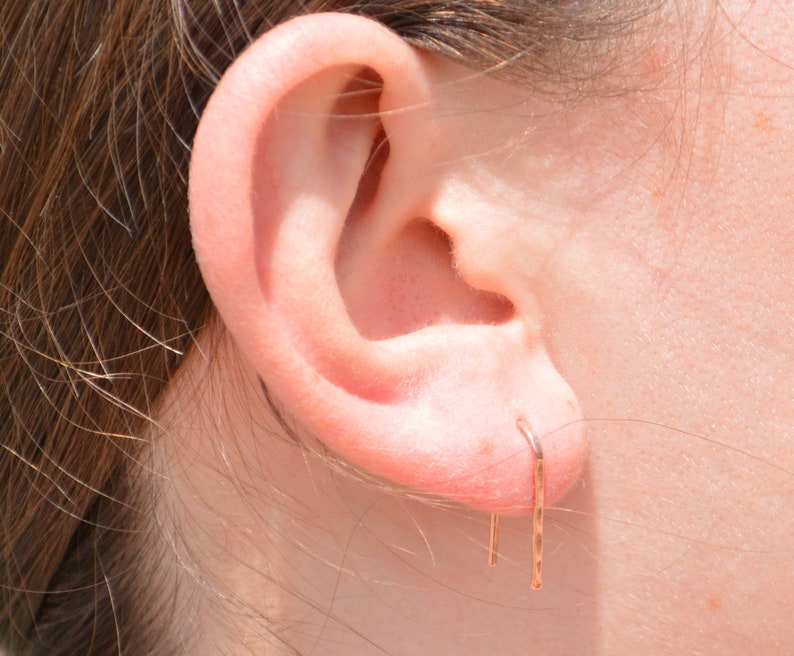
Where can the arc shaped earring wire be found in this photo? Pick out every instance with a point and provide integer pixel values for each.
(493, 540)
(537, 514)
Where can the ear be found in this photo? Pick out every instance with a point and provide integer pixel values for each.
(315, 173)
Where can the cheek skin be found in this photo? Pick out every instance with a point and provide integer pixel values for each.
(668, 307)
(682, 365)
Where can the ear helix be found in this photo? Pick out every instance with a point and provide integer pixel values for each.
(537, 514)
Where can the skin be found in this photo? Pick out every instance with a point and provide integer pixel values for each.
(662, 255)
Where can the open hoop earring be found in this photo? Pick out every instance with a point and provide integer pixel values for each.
(537, 514)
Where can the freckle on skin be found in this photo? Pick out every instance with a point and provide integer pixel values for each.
(763, 123)
(486, 448)
(715, 602)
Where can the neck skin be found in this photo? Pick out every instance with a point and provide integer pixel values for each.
(670, 321)
(283, 554)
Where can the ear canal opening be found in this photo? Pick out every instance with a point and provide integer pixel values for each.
(413, 283)
(409, 282)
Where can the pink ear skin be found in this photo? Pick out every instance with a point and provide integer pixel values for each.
(311, 193)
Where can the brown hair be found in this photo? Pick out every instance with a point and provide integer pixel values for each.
(100, 292)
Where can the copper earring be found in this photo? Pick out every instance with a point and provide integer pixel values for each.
(537, 514)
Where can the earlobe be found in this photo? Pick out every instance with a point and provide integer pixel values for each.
(313, 179)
